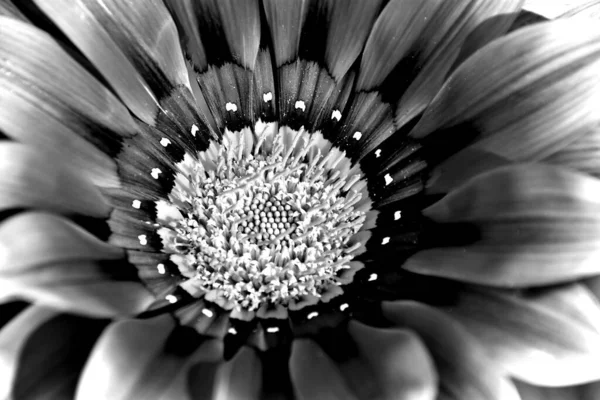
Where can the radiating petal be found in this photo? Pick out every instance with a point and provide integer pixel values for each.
(440, 43)
(534, 337)
(465, 371)
(399, 361)
(134, 45)
(554, 9)
(429, 34)
(314, 375)
(49, 101)
(527, 95)
(49, 259)
(240, 378)
(530, 392)
(538, 225)
(583, 154)
(42, 353)
(33, 238)
(347, 28)
(32, 178)
(8, 8)
(132, 361)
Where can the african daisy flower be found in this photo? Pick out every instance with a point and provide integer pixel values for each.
(287, 199)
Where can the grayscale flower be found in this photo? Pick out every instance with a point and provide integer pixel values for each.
(297, 199)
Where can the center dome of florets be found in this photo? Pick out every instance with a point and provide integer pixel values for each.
(266, 218)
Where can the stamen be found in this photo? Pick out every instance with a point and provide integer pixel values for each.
(171, 299)
(136, 204)
(267, 97)
(267, 225)
(337, 115)
(231, 107)
(299, 105)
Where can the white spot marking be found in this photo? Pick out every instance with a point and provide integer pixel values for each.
(208, 313)
(357, 135)
(385, 240)
(195, 130)
(143, 240)
(372, 277)
(397, 215)
(377, 153)
(231, 107)
(161, 269)
(300, 105)
(267, 97)
(171, 299)
(388, 179)
(136, 204)
(336, 114)
(344, 306)
(312, 315)
(273, 329)
(232, 331)
(155, 172)
(165, 142)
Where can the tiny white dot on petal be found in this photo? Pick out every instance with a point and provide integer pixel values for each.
(357, 135)
(300, 105)
(232, 331)
(207, 312)
(336, 114)
(267, 97)
(231, 107)
(165, 142)
(273, 329)
(344, 306)
(372, 277)
(385, 240)
(312, 315)
(161, 268)
(136, 204)
(377, 153)
(155, 172)
(171, 299)
(143, 240)
(388, 179)
(195, 130)
(397, 215)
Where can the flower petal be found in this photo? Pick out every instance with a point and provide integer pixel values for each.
(48, 259)
(58, 187)
(537, 340)
(583, 154)
(131, 361)
(530, 392)
(314, 375)
(240, 378)
(440, 43)
(538, 225)
(33, 238)
(134, 44)
(556, 9)
(9, 9)
(42, 353)
(465, 371)
(527, 95)
(49, 101)
(398, 360)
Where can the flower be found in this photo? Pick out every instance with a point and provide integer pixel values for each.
(297, 199)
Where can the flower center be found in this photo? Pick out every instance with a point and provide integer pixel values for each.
(266, 219)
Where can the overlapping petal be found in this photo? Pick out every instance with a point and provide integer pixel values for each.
(42, 352)
(464, 369)
(545, 338)
(50, 102)
(134, 45)
(527, 95)
(133, 360)
(538, 224)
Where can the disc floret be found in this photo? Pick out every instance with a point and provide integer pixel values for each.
(266, 220)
